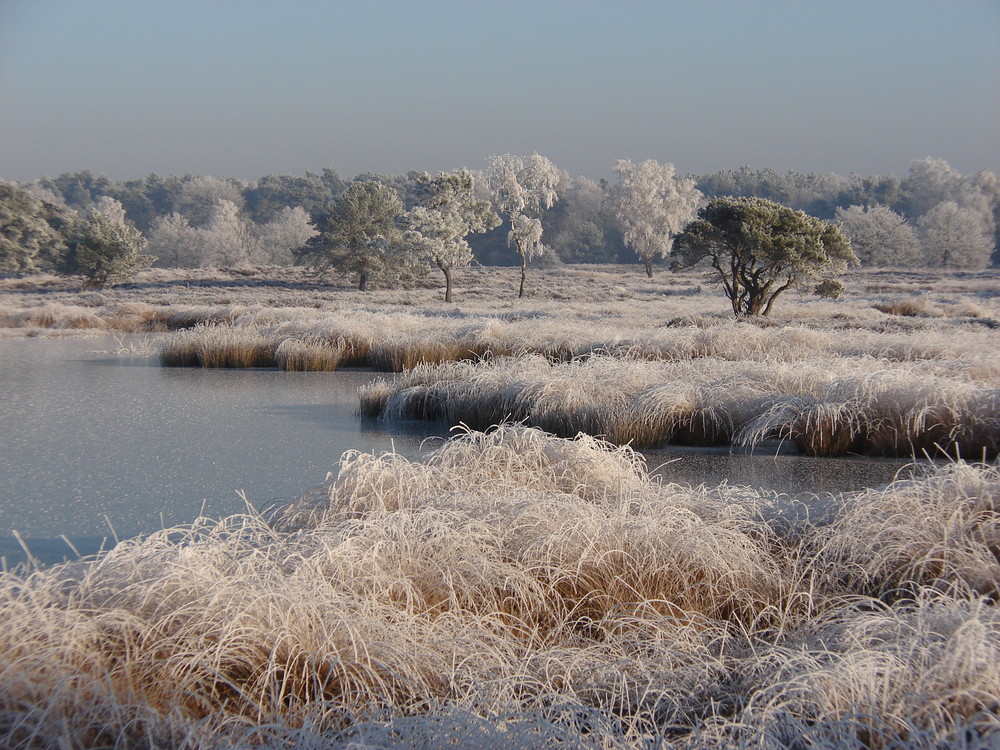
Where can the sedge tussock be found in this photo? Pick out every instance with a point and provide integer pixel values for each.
(942, 529)
(888, 412)
(518, 589)
(309, 355)
(865, 406)
(917, 674)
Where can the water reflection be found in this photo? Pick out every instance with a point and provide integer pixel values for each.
(775, 470)
(93, 442)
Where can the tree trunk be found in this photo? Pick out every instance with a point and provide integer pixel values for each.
(363, 282)
(447, 283)
(649, 266)
(774, 296)
(524, 275)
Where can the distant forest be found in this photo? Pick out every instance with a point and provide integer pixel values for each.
(934, 216)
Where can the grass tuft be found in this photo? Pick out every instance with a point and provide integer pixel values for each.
(514, 589)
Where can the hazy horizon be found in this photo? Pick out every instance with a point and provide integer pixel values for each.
(247, 89)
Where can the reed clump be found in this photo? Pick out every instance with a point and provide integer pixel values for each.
(309, 355)
(399, 356)
(514, 589)
(831, 408)
(220, 345)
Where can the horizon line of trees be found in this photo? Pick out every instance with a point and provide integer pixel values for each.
(519, 209)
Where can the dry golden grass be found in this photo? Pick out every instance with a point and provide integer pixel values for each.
(825, 407)
(518, 590)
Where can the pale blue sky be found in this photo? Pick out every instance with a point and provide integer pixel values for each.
(129, 87)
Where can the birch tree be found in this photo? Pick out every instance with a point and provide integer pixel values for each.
(230, 238)
(653, 205)
(448, 212)
(200, 195)
(879, 236)
(288, 231)
(955, 237)
(175, 242)
(522, 188)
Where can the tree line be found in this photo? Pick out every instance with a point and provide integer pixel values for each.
(380, 228)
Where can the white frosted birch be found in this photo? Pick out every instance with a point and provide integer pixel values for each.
(653, 205)
(522, 188)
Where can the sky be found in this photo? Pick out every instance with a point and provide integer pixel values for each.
(246, 88)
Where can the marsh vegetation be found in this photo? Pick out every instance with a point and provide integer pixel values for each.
(518, 588)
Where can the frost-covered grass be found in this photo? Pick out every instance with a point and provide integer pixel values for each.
(908, 363)
(606, 300)
(827, 406)
(518, 590)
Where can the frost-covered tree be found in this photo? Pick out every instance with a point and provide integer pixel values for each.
(818, 194)
(112, 209)
(79, 190)
(175, 242)
(230, 239)
(272, 193)
(653, 205)
(359, 234)
(28, 239)
(200, 195)
(928, 183)
(583, 226)
(104, 248)
(879, 236)
(760, 249)
(955, 237)
(522, 188)
(933, 181)
(289, 230)
(448, 212)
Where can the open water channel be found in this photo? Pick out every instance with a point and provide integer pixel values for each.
(96, 445)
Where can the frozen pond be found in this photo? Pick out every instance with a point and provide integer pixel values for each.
(93, 442)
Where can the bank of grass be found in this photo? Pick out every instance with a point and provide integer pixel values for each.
(396, 342)
(518, 590)
(828, 406)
